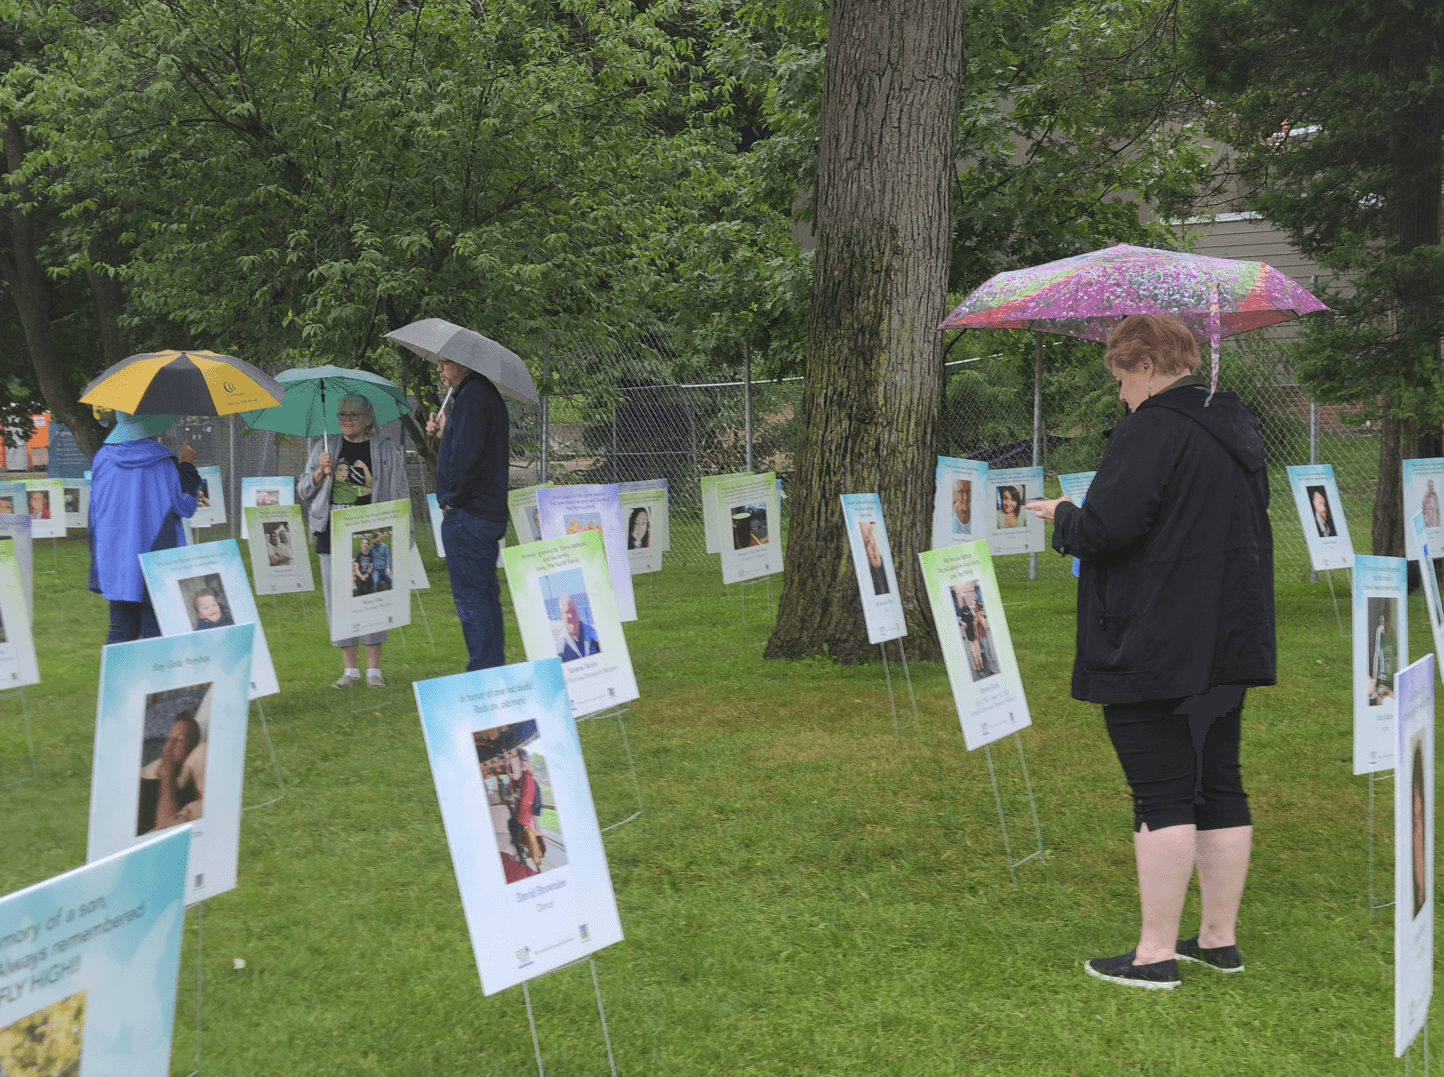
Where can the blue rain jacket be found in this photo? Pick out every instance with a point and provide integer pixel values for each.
(138, 493)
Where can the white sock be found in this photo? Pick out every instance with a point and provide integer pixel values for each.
(373, 669)
(350, 672)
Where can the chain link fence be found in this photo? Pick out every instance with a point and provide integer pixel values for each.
(627, 423)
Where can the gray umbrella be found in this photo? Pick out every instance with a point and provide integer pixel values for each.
(435, 338)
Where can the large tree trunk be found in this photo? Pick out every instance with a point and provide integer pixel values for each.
(1388, 524)
(25, 277)
(873, 388)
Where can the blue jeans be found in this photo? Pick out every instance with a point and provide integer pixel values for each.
(132, 620)
(471, 545)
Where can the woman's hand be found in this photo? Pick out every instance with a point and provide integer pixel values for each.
(323, 468)
(1044, 508)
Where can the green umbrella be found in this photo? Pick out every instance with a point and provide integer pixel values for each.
(312, 393)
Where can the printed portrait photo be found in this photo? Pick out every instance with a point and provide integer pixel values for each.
(278, 542)
(749, 526)
(203, 495)
(639, 529)
(7, 505)
(533, 517)
(577, 522)
(962, 518)
(45, 1042)
(1322, 512)
(39, 501)
(371, 562)
(173, 758)
(1418, 866)
(519, 797)
(205, 601)
(875, 567)
(3, 637)
(1008, 501)
(72, 500)
(268, 497)
(1383, 627)
(1429, 505)
(973, 626)
(570, 613)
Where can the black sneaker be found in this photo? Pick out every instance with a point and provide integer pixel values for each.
(1160, 976)
(1223, 958)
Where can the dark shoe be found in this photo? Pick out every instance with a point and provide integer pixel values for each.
(1160, 976)
(1223, 958)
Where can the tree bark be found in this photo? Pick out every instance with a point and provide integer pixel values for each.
(873, 386)
(25, 276)
(1387, 533)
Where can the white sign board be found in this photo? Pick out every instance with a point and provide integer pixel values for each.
(45, 504)
(1414, 856)
(519, 818)
(204, 587)
(1381, 649)
(751, 515)
(261, 490)
(370, 568)
(570, 510)
(210, 499)
(17, 645)
(75, 496)
(977, 648)
(170, 748)
(521, 503)
(1423, 487)
(958, 501)
(280, 554)
(661, 520)
(882, 608)
(1321, 514)
(565, 608)
(1012, 529)
(93, 957)
(644, 511)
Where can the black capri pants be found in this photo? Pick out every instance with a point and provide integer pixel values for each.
(1180, 757)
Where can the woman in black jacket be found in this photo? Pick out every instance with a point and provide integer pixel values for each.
(1175, 620)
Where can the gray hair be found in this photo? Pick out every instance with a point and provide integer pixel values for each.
(352, 402)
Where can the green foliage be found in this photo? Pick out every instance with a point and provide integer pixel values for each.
(1336, 109)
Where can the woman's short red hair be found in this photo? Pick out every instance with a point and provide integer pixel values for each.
(1160, 337)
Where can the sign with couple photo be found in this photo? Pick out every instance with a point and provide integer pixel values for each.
(977, 647)
(280, 556)
(371, 568)
(519, 818)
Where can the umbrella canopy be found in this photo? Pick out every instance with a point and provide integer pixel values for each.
(435, 338)
(183, 383)
(1088, 294)
(312, 394)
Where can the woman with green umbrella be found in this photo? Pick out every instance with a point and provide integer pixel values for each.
(363, 467)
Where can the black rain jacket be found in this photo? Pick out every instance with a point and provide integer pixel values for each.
(1175, 588)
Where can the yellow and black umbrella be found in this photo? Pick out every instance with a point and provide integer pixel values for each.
(183, 383)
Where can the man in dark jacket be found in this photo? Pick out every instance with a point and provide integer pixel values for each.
(1175, 620)
(471, 480)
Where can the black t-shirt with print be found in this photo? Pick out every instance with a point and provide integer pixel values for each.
(355, 489)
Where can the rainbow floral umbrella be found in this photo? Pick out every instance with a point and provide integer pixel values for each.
(1088, 294)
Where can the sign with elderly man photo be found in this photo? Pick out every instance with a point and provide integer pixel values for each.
(1381, 650)
(956, 485)
(565, 609)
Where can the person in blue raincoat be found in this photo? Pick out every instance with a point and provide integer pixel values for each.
(139, 494)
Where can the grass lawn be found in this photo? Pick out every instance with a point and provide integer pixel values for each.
(804, 894)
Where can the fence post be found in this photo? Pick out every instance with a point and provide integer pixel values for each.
(747, 398)
(614, 441)
(545, 400)
(233, 489)
(1313, 455)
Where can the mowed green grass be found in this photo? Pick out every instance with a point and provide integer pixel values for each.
(804, 893)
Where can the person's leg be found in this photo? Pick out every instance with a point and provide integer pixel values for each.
(348, 656)
(1165, 864)
(1225, 834)
(1156, 752)
(124, 622)
(149, 626)
(471, 564)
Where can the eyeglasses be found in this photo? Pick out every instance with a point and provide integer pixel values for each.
(344, 416)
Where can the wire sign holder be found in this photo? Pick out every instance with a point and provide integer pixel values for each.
(601, 1016)
(1374, 779)
(916, 723)
(280, 785)
(1014, 865)
(631, 764)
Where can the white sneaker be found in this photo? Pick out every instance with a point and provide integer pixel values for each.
(373, 679)
(346, 680)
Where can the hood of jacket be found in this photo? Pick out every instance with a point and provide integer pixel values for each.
(1225, 418)
(132, 454)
